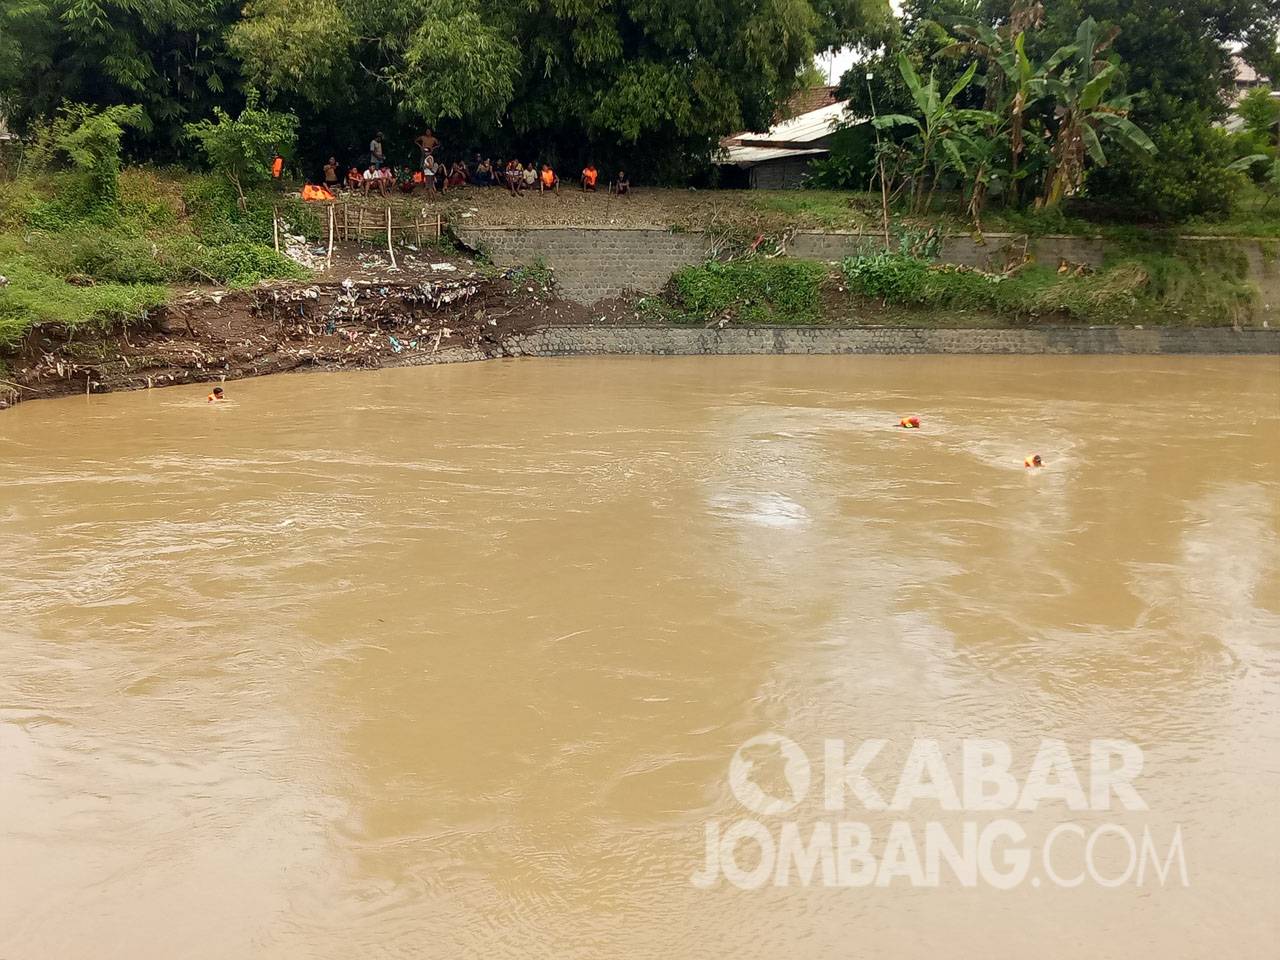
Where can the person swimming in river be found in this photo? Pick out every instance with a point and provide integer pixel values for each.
(1033, 461)
(910, 423)
(216, 395)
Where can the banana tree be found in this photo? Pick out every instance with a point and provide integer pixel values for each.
(1270, 173)
(1013, 83)
(1083, 114)
(935, 131)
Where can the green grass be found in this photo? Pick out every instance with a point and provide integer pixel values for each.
(1189, 286)
(754, 290)
(73, 259)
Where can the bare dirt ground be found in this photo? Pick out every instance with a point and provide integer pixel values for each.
(661, 207)
(361, 313)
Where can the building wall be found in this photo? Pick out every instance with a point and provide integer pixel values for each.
(786, 173)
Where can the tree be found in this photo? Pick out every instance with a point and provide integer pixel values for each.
(241, 147)
(1177, 57)
(1260, 112)
(459, 65)
(659, 81)
(938, 130)
(298, 48)
(1268, 166)
(1083, 113)
(167, 56)
(1014, 85)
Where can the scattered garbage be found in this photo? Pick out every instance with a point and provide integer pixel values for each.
(446, 267)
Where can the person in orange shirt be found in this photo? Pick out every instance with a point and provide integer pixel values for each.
(277, 167)
(911, 423)
(589, 177)
(547, 182)
(1033, 461)
(216, 395)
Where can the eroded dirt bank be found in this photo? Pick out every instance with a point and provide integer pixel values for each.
(215, 335)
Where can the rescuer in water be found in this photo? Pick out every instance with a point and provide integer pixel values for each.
(216, 395)
(1033, 460)
(911, 423)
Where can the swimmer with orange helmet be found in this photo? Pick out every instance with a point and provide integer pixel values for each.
(216, 395)
(910, 423)
(1032, 461)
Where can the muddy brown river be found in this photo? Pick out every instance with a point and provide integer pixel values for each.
(559, 658)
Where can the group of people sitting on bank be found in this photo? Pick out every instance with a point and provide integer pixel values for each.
(374, 173)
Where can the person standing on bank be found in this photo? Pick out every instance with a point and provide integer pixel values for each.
(376, 156)
(427, 142)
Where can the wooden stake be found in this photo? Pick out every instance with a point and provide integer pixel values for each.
(390, 249)
(328, 260)
(275, 228)
(437, 226)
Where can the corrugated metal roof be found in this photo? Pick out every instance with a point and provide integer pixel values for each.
(749, 156)
(813, 125)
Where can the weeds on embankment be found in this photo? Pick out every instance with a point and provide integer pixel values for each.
(1138, 284)
(73, 256)
(1141, 283)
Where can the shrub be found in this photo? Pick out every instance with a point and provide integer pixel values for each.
(1196, 285)
(755, 290)
(241, 147)
(244, 264)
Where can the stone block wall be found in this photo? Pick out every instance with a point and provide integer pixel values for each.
(684, 341)
(592, 263)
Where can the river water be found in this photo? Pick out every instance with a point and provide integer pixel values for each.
(453, 662)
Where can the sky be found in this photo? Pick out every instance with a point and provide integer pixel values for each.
(835, 63)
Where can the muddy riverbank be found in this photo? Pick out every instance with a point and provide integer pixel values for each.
(216, 335)
(456, 314)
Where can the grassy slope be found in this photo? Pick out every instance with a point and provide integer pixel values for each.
(72, 261)
(1139, 285)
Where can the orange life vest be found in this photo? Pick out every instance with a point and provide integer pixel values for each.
(589, 176)
(1031, 462)
(548, 178)
(277, 167)
(909, 422)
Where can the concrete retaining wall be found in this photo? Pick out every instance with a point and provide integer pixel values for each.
(680, 341)
(592, 263)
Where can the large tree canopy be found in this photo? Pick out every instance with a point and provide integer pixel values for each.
(658, 80)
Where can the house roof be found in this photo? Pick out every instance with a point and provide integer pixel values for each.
(805, 101)
(741, 156)
(799, 130)
(1245, 75)
(798, 136)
